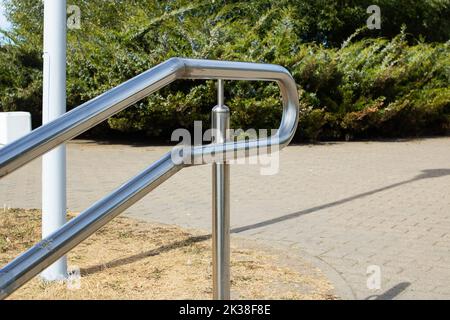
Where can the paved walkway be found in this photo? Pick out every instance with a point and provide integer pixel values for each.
(347, 206)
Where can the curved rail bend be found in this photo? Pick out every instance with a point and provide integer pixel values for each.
(91, 113)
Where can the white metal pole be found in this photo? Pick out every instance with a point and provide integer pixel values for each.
(54, 105)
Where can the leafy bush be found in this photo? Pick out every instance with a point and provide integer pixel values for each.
(353, 82)
(21, 81)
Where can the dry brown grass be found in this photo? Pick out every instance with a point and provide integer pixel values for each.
(129, 259)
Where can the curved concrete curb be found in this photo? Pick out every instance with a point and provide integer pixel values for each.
(340, 287)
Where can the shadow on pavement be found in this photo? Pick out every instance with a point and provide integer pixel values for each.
(426, 174)
(391, 293)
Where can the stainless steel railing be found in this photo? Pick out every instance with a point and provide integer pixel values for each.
(84, 117)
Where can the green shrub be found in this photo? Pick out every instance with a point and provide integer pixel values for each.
(353, 82)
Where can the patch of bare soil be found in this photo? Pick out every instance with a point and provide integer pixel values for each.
(129, 259)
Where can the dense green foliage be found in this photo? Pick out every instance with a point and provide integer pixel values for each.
(353, 82)
(375, 88)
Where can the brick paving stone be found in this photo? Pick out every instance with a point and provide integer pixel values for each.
(351, 205)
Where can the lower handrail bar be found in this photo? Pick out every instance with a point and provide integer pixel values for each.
(29, 264)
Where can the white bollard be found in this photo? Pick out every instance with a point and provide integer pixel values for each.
(13, 125)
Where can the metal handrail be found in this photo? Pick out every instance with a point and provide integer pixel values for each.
(84, 117)
(93, 112)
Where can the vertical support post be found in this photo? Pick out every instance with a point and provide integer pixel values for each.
(221, 202)
(54, 105)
